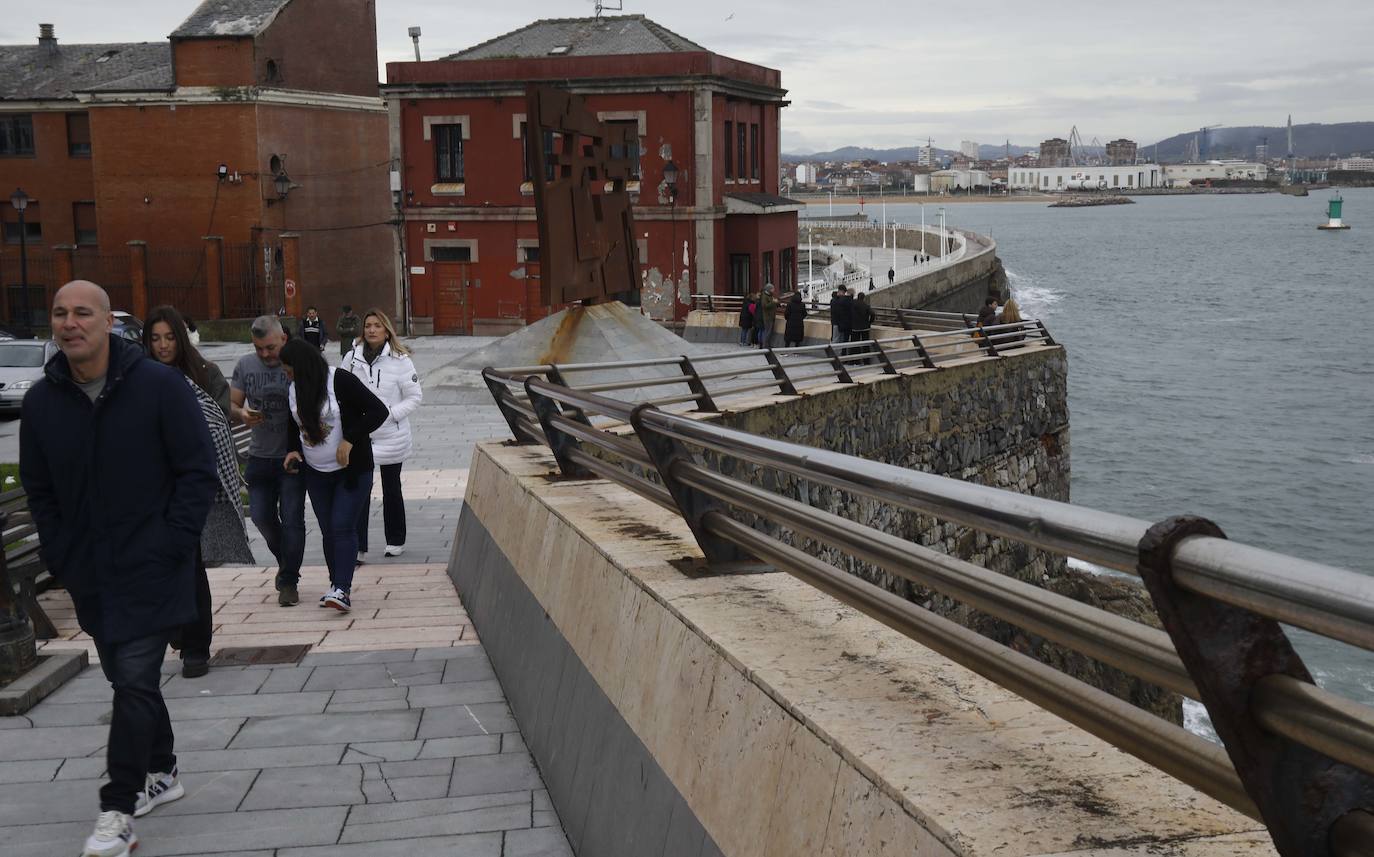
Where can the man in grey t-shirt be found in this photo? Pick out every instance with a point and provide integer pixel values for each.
(276, 498)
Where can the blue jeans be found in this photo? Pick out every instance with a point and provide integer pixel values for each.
(276, 503)
(140, 730)
(745, 335)
(337, 506)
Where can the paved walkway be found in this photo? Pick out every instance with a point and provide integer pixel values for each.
(391, 737)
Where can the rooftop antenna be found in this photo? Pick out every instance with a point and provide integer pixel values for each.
(601, 5)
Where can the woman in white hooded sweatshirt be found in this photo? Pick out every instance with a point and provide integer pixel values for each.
(380, 361)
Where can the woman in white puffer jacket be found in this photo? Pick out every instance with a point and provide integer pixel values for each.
(380, 361)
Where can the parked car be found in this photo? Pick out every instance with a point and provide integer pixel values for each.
(127, 326)
(21, 364)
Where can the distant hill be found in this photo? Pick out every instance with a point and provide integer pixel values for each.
(1309, 141)
(907, 153)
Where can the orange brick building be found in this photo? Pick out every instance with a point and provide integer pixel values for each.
(206, 170)
(457, 127)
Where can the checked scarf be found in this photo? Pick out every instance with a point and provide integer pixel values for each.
(226, 457)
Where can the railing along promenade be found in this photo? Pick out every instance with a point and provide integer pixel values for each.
(1296, 757)
(953, 244)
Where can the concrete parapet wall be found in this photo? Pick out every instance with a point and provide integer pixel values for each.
(673, 713)
(961, 287)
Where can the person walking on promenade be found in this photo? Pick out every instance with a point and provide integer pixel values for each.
(332, 416)
(120, 474)
(312, 329)
(348, 328)
(746, 318)
(382, 363)
(767, 317)
(795, 316)
(861, 323)
(841, 316)
(276, 498)
(751, 304)
(891, 277)
(223, 540)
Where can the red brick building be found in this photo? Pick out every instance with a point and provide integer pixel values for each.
(457, 126)
(121, 143)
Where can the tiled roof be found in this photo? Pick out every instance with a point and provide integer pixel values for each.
(607, 36)
(36, 72)
(228, 18)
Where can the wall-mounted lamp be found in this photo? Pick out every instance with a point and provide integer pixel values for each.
(222, 172)
(282, 184)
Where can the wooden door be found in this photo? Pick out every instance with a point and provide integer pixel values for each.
(452, 301)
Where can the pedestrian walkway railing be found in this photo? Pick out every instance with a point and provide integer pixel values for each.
(1295, 756)
(954, 245)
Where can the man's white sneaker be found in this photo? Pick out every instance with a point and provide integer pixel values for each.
(160, 789)
(395, 550)
(113, 836)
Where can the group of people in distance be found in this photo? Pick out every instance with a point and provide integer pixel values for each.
(133, 481)
(758, 315)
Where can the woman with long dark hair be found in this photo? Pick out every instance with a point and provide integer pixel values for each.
(383, 363)
(167, 340)
(224, 539)
(332, 415)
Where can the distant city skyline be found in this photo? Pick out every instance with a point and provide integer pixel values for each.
(866, 78)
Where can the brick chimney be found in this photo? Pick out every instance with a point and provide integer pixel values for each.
(47, 40)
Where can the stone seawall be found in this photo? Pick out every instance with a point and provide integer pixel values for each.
(961, 287)
(677, 713)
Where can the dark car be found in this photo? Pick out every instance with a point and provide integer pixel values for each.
(21, 364)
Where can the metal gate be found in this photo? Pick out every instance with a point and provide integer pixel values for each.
(452, 298)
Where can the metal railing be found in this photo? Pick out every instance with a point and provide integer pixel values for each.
(906, 319)
(954, 246)
(1296, 757)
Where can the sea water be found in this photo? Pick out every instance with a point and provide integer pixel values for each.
(1221, 363)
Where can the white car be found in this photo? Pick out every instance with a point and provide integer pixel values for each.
(21, 364)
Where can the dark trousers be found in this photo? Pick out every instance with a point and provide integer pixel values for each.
(276, 503)
(140, 730)
(336, 505)
(393, 510)
(195, 635)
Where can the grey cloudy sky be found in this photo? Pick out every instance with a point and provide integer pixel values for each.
(887, 73)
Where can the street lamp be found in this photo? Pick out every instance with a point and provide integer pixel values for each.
(20, 201)
(282, 184)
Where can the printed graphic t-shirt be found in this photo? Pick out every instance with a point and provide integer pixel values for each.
(264, 388)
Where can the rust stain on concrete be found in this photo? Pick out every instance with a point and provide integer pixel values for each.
(561, 344)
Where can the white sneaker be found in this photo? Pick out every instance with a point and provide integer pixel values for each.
(160, 789)
(395, 550)
(113, 836)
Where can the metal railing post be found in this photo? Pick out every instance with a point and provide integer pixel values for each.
(692, 504)
(560, 443)
(841, 373)
(785, 385)
(926, 360)
(888, 368)
(498, 392)
(554, 376)
(1230, 653)
(1049, 340)
(704, 401)
(710, 302)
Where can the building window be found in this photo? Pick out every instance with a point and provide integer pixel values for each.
(729, 149)
(788, 271)
(78, 135)
(450, 254)
(530, 255)
(16, 135)
(33, 224)
(754, 151)
(768, 268)
(448, 153)
(635, 154)
(83, 224)
(740, 284)
(742, 153)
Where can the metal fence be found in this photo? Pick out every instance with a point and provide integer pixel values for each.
(177, 278)
(109, 270)
(906, 319)
(42, 273)
(1296, 757)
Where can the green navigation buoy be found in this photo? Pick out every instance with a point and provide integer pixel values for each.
(1333, 214)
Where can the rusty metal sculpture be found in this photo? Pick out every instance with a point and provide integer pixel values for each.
(581, 168)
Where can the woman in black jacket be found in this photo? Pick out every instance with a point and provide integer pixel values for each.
(332, 415)
(746, 318)
(795, 331)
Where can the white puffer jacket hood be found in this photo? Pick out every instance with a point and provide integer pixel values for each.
(392, 378)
